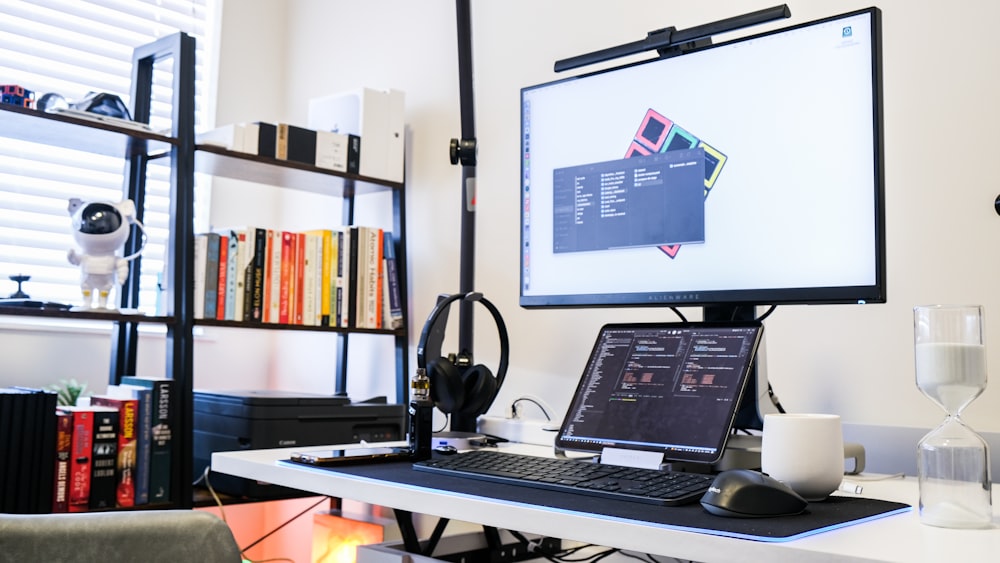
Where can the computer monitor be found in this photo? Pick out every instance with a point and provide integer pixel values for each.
(748, 172)
(744, 173)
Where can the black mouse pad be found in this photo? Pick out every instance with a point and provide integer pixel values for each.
(830, 514)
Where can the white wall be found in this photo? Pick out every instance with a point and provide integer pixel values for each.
(940, 118)
(941, 90)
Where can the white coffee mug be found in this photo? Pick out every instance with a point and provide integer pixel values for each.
(805, 452)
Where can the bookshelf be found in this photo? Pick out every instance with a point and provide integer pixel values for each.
(178, 149)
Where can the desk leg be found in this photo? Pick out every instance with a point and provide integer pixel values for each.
(410, 540)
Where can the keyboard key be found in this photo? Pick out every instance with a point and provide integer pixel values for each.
(574, 476)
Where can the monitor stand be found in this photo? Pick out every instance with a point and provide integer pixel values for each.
(756, 400)
(743, 450)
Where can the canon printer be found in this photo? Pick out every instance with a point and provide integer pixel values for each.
(250, 420)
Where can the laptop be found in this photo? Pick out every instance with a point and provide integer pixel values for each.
(670, 389)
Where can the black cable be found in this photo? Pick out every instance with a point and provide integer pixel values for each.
(513, 407)
(767, 313)
(283, 524)
(774, 398)
(447, 420)
(644, 557)
(679, 314)
(604, 555)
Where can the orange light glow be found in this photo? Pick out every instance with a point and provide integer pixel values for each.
(336, 538)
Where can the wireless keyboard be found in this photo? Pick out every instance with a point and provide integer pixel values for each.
(651, 486)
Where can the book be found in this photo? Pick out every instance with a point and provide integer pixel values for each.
(369, 312)
(37, 451)
(11, 433)
(229, 137)
(267, 136)
(242, 257)
(324, 254)
(331, 281)
(220, 305)
(211, 283)
(309, 290)
(287, 274)
(393, 296)
(104, 461)
(343, 265)
(81, 451)
(27, 446)
(6, 414)
(128, 426)
(350, 297)
(272, 278)
(251, 138)
(160, 434)
(298, 289)
(16, 429)
(60, 485)
(144, 428)
(297, 144)
(331, 151)
(354, 154)
(253, 307)
(376, 263)
(232, 259)
(200, 265)
(360, 276)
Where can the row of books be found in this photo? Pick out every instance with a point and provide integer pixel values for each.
(108, 451)
(323, 149)
(27, 450)
(344, 278)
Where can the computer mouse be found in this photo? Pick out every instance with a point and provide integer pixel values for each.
(743, 493)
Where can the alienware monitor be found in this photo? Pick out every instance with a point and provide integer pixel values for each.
(746, 172)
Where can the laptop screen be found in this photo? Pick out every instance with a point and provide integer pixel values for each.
(664, 387)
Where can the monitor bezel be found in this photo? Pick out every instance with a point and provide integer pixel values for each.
(874, 293)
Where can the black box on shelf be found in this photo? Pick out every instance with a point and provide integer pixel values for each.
(253, 420)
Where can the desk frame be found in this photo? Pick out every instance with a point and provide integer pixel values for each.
(896, 538)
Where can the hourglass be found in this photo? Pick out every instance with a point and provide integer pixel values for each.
(953, 461)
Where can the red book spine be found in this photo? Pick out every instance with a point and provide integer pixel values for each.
(220, 313)
(287, 255)
(268, 278)
(81, 450)
(300, 275)
(64, 438)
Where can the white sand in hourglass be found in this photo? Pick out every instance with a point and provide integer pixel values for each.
(952, 374)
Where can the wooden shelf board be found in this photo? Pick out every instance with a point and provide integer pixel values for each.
(217, 161)
(75, 133)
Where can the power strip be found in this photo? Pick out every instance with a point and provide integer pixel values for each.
(540, 432)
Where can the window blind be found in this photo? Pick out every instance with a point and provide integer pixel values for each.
(73, 47)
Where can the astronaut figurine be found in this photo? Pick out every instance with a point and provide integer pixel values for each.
(100, 229)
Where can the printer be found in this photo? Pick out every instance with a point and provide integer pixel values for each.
(249, 420)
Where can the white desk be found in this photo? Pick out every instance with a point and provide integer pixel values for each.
(893, 538)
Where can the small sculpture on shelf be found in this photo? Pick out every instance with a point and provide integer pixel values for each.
(100, 229)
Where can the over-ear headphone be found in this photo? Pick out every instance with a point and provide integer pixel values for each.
(456, 389)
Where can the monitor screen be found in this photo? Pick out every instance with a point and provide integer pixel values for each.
(746, 172)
